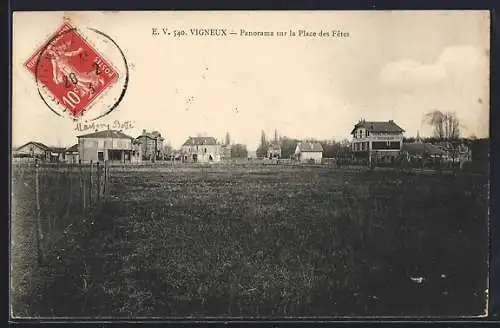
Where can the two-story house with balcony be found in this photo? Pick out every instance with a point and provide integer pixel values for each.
(107, 145)
(201, 149)
(376, 140)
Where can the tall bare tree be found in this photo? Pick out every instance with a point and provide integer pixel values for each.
(445, 125)
(228, 139)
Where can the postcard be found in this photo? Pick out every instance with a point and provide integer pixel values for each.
(250, 164)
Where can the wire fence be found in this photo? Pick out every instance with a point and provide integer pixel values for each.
(48, 198)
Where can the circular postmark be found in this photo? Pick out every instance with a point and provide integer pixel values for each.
(77, 77)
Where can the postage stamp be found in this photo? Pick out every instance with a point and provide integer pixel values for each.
(70, 71)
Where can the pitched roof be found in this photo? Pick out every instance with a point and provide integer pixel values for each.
(151, 135)
(423, 148)
(274, 146)
(106, 134)
(198, 141)
(378, 126)
(310, 147)
(57, 149)
(35, 143)
(72, 149)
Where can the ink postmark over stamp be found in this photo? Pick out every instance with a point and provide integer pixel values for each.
(72, 76)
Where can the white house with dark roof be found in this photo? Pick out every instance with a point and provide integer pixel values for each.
(201, 149)
(108, 145)
(380, 140)
(307, 152)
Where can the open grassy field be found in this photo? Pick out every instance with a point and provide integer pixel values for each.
(268, 241)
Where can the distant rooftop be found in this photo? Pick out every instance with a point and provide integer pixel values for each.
(423, 148)
(151, 135)
(107, 134)
(35, 143)
(73, 148)
(198, 141)
(378, 126)
(274, 145)
(310, 147)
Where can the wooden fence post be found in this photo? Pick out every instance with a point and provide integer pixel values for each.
(83, 187)
(90, 184)
(104, 188)
(106, 177)
(39, 230)
(98, 182)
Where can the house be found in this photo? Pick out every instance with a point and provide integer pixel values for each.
(173, 156)
(379, 140)
(455, 152)
(201, 149)
(151, 144)
(274, 150)
(252, 154)
(307, 152)
(71, 154)
(57, 154)
(421, 150)
(33, 150)
(107, 145)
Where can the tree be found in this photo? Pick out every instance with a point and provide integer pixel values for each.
(239, 151)
(228, 139)
(262, 150)
(446, 125)
(288, 146)
(167, 148)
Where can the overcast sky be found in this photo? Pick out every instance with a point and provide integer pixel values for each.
(393, 65)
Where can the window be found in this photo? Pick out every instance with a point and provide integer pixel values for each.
(100, 156)
(367, 133)
(205, 150)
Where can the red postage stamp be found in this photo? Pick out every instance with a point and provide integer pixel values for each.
(70, 71)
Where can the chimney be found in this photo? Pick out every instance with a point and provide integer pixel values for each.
(96, 130)
(143, 131)
(391, 121)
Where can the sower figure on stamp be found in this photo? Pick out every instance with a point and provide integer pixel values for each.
(61, 67)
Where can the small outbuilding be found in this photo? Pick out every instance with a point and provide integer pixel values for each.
(309, 152)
